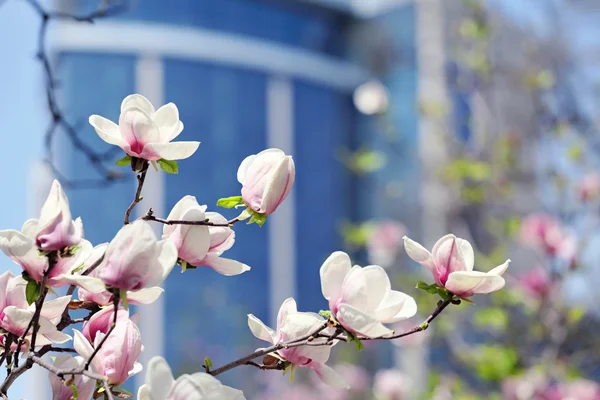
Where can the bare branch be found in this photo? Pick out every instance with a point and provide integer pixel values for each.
(141, 177)
(150, 217)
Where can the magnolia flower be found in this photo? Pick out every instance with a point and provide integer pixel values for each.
(145, 133)
(357, 377)
(202, 245)
(21, 248)
(451, 263)
(292, 325)
(371, 98)
(384, 243)
(537, 282)
(160, 385)
(134, 260)
(84, 384)
(361, 299)
(589, 187)
(545, 233)
(391, 384)
(266, 178)
(97, 293)
(15, 313)
(117, 357)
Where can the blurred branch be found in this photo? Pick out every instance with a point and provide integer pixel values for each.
(58, 122)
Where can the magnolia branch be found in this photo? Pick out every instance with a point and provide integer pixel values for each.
(150, 217)
(309, 340)
(59, 122)
(141, 177)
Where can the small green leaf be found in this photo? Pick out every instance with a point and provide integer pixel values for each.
(154, 165)
(208, 363)
(357, 342)
(78, 269)
(257, 218)
(170, 167)
(75, 391)
(229, 202)
(424, 325)
(325, 313)
(124, 161)
(431, 289)
(32, 291)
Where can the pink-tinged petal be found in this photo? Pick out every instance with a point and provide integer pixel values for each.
(137, 101)
(298, 324)
(225, 266)
(222, 238)
(500, 269)
(138, 130)
(56, 230)
(192, 241)
(419, 254)
(15, 293)
(179, 210)
(468, 283)
(21, 249)
(85, 385)
(167, 120)
(120, 351)
(4, 279)
(279, 186)
(145, 296)
(16, 320)
(357, 321)
(288, 306)
(466, 253)
(333, 272)
(241, 174)
(163, 262)
(366, 288)
(53, 309)
(83, 347)
(89, 283)
(396, 306)
(107, 130)
(201, 386)
(447, 257)
(54, 336)
(169, 151)
(329, 376)
(29, 228)
(260, 330)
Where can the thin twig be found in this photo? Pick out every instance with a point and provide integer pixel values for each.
(141, 177)
(116, 300)
(150, 217)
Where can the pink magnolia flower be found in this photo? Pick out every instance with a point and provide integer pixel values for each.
(97, 293)
(135, 260)
(266, 178)
(451, 263)
(15, 313)
(545, 233)
(581, 389)
(292, 325)
(391, 384)
(160, 385)
(85, 385)
(117, 357)
(384, 243)
(361, 299)
(202, 245)
(537, 282)
(357, 377)
(21, 248)
(144, 132)
(589, 187)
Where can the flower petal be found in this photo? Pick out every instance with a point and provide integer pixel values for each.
(225, 266)
(241, 173)
(357, 321)
(396, 306)
(333, 272)
(54, 308)
(89, 283)
(169, 151)
(167, 120)
(500, 269)
(107, 130)
(287, 307)
(145, 296)
(468, 283)
(81, 345)
(366, 288)
(260, 330)
(137, 101)
(329, 376)
(138, 130)
(144, 394)
(419, 253)
(162, 263)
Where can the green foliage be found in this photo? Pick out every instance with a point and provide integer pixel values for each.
(208, 363)
(356, 235)
(124, 161)
(575, 314)
(464, 169)
(75, 391)
(257, 218)
(491, 317)
(363, 161)
(325, 313)
(170, 167)
(494, 362)
(229, 202)
(32, 291)
(357, 342)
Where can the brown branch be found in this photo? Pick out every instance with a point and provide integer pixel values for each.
(150, 217)
(141, 177)
(116, 300)
(308, 340)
